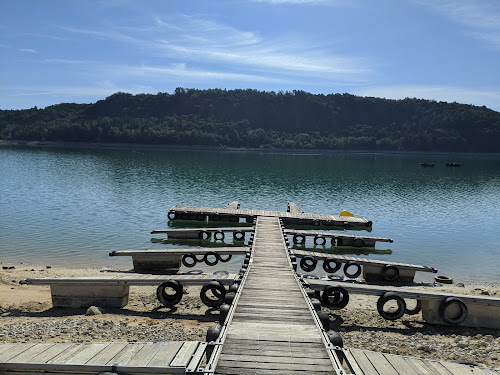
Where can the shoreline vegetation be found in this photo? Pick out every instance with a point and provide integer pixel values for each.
(251, 119)
(27, 315)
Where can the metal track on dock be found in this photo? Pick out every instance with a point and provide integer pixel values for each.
(272, 330)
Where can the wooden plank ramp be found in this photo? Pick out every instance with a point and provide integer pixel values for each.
(169, 357)
(272, 330)
(374, 363)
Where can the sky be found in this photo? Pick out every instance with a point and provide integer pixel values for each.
(81, 51)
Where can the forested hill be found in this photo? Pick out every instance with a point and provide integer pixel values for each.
(256, 119)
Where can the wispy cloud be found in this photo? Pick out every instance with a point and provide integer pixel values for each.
(68, 61)
(197, 41)
(491, 99)
(481, 19)
(4, 46)
(28, 50)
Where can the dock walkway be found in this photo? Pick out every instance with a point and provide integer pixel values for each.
(273, 330)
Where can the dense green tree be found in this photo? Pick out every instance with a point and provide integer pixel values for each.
(257, 119)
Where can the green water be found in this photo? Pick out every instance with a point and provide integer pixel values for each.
(72, 206)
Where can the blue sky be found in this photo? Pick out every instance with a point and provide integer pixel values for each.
(56, 51)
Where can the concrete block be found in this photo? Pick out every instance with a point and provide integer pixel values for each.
(157, 264)
(373, 272)
(89, 295)
(478, 315)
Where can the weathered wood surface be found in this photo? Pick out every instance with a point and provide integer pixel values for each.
(345, 259)
(197, 251)
(81, 358)
(134, 279)
(405, 293)
(287, 215)
(272, 330)
(373, 363)
(335, 235)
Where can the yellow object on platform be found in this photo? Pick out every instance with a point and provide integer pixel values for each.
(346, 213)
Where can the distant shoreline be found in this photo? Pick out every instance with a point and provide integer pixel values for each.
(95, 145)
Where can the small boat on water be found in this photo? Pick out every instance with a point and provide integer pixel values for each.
(455, 164)
(425, 164)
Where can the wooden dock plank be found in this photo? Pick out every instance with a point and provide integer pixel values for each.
(380, 362)
(184, 354)
(29, 353)
(13, 351)
(165, 354)
(106, 353)
(143, 356)
(126, 354)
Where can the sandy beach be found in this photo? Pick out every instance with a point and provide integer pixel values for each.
(27, 315)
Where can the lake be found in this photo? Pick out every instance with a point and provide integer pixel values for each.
(71, 206)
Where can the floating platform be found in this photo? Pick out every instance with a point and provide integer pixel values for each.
(373, 270)
(437, 307)
(336, 239)
(234, 215)
(113, 291)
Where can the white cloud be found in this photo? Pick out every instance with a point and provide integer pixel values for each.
(481, 19)
(28, 50)
(490, 99)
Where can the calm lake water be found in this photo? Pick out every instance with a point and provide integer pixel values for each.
(65, 206)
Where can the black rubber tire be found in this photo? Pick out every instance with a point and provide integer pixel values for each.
(415, 310)
(225, 260)
(217, 290)
(219, 235)
(308, 263)
(204, 235)
(390, 273)
(339, 241)
(325, 319)
(328, 268)
(296, 238)
(319, 238)
(448, 302)
(213, 332)
(229, 297)
(358, 242)
(388, 296)
(223, 311)
(169, 300)
(207, 261)
(316, 304)
(356, 273)
(340, 300)
(233, 288)
(239, 235)
(171, 215)
(335, 339)
(443, 279)
(189, 256)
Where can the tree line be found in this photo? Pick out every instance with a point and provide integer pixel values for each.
(259, 119)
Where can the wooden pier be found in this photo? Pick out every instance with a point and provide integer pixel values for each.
(268, 326)
(273, 329)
